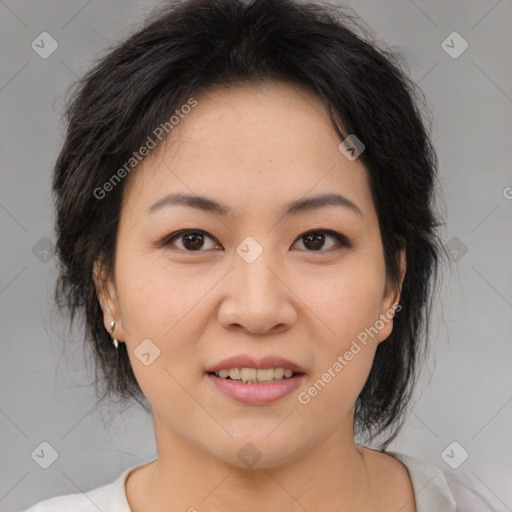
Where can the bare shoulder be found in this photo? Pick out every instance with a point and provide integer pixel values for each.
(136, 483)
(391, 482)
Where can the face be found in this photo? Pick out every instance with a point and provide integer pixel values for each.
(194, 286)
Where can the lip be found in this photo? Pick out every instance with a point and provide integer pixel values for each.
(257, 394)
(246, 361)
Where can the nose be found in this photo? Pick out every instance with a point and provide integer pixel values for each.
(257, 298)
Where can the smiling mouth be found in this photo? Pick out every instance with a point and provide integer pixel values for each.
(255, 376)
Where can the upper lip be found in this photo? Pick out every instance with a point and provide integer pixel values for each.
(246, 361)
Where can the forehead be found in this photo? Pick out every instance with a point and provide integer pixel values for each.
(256, 145)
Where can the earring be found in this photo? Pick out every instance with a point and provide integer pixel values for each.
(114, 341)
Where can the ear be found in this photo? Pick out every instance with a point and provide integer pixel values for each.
(107, 297)
(391, 299)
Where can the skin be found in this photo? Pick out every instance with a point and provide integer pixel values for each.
(255, 148)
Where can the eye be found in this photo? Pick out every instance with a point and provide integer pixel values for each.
(191, 240)
(314, 240)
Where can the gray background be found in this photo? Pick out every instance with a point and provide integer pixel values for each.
(467, 386)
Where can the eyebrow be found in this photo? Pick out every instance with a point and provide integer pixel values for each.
(294, 208)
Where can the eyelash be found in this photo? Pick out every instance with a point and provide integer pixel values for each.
(340, 239)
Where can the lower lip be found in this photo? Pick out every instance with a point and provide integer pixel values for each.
(257, 394)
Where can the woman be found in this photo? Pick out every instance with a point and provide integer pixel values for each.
(245, 217)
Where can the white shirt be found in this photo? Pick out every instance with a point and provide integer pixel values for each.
(434, 490)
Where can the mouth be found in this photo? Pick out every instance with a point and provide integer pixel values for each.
(256, 381)
(253, 391)
(255, 375)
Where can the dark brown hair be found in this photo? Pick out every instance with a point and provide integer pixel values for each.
(189, 46)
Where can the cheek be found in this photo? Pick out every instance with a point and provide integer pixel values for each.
(347, 302)
(344, 357)
(165, 308)
(345, 343)
(156, 299)
(333, 391)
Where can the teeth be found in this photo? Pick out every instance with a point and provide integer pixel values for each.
(234, 373)
(253, 375)
(249, 373)
(265, 375)
(278, 373)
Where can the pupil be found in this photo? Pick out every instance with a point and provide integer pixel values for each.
(318, 239)
(194, 241)
(196, 238)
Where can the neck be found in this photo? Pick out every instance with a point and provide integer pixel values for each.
(186, 477)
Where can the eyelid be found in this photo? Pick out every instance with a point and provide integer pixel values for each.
(177, 234)
(340, 238)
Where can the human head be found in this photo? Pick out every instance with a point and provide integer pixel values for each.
(192, 47)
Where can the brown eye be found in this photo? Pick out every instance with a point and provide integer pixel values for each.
(196, 241)
(191, 240)
(315, 240)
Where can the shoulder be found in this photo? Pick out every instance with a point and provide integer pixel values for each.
(448, 490)
(390, 482)
(471, 494)
(108, 498)
(90, 501)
